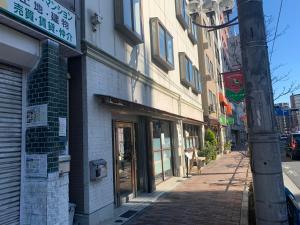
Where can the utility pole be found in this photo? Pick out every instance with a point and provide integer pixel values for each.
(269, 195)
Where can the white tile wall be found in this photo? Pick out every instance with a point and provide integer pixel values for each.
(46, 201)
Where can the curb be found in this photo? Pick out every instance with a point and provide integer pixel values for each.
(245, 208)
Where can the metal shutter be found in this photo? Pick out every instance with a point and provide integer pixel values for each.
(10, 144)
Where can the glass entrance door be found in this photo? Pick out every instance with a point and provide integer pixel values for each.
(125, 162)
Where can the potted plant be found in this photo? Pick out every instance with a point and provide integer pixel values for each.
(227, 147)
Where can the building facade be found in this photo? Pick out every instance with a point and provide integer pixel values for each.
(233, 61)
(283, 117)
(37, 42)
(213, 98)
(295, 106)
(138, 102)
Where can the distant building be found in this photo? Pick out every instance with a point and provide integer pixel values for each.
(295, 104)
(283, 117)
(234, 52)
(232, 61)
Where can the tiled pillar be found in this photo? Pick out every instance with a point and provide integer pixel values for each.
(46, 190)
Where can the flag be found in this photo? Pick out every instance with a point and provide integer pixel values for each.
(234, 86)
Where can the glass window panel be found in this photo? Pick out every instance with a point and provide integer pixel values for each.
(156, 143)
(167, 160)
(162, 43)
(167, 143)
(184, 11)
(195, 79)
(190, 72)
(137, 17)
(158, 167)
(157, 156)
(186, 69)
(194, 31)
(170, 57)
(127, 12)
(183, 2)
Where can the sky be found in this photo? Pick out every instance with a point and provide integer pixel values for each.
(286, 52)
(287, 46)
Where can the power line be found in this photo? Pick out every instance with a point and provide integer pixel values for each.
(274, 39)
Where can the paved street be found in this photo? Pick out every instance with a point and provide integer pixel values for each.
(292, 170)
(213, 198)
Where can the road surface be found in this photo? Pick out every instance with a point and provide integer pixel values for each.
(292, 170)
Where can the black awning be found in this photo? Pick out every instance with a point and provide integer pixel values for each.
(139, 109)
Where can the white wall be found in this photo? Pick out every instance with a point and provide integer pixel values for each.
(139, 57)
(150, 86)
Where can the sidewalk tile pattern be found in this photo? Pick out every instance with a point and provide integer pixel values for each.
(212, 198)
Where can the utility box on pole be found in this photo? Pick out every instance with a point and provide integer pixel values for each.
(270, 200)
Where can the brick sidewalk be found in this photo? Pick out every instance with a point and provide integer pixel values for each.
(213, 198)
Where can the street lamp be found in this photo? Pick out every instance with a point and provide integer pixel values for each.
(210, 7)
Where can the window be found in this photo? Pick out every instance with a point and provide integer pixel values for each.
(162, 45)
(211, 69)
(128, 20)
(220, 80)
(217, 53)
(212, 102)
(197, 87)
(186, 70)
(181, 13)
(205, 31)
(207, 63)
(193, 32)
(191, 137)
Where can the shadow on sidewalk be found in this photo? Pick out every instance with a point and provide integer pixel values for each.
(193, 208)
(212, 198)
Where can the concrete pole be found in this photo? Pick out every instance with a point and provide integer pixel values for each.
(270, 202)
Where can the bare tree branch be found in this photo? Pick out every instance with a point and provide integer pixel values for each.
(285, 91)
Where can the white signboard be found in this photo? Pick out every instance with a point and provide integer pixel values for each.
(162, 135)
(46, 15)
(36, 165)
(37, 115)
(62, 127)
(189, 155)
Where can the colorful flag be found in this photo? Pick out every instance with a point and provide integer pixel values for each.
(234, 86)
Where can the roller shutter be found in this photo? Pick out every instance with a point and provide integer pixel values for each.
(10, 144)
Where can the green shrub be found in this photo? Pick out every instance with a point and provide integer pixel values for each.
(227, 145)
(209, 151)
(211, 137)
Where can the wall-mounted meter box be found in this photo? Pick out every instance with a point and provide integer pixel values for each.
(98, 169)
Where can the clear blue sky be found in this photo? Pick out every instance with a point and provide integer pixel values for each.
(287, 46)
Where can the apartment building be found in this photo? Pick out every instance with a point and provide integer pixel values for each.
(37, 41)
(136, 107)
(233, 60)
(283, 117)
(214, 101)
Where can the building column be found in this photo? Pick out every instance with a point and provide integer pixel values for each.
(46, 188)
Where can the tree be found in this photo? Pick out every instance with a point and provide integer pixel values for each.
(277, 78)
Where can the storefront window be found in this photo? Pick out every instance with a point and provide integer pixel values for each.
(191, 137)
(162, 150)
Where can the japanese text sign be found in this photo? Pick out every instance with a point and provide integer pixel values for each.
(46, 15)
